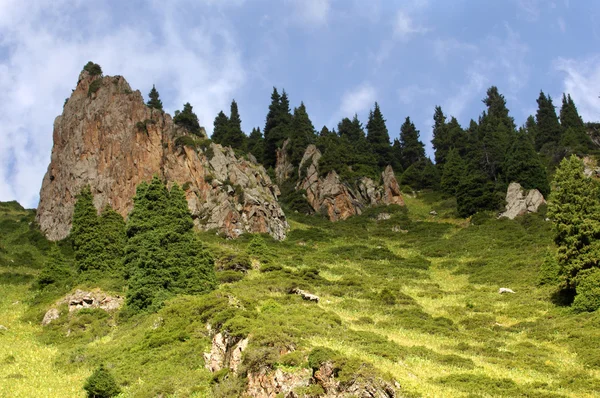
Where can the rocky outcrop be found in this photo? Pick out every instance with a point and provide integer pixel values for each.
(283, 165)
(268, 383)
(338, 200)
(108, 138)
(81, 299)
(519, 201)
(357, 387)
(225, 352)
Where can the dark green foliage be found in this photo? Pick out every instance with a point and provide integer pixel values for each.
(302, 134)
(230, 130)
(523, 165)
(154, 102)
(454, 171)
(378, 137)
(277, 126)
(588, 291)
(187, 119)
(411, 148)
(220, 127)
(531, 129)
(163, 256)
(439, 140)
(101, 384)
(92, 68)
(94, 87)
(256, 144)
(84, 232)
(548, 128)
(476, 193)
(98, 241)
(56, 271)
(574, 207)
(421, 175)
(549, 273)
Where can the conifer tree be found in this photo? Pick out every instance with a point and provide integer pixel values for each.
(302, 134)
(111, 231)
(422, 174)
(574, 136)
(548, 128)
(187, 119)
(256, 145)
(220, 126)
(440, 140)
(163, 255)
(531, 129)
(84, 232)
(378, 137)
(56, 271)
(101, 384)
(574, 208)
(476, 192)
(277, 126)
(412, 149)
(454, 170)
(233, 135)
(524, 166)
(154, 101)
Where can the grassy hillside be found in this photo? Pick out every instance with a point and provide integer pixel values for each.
(414, 296)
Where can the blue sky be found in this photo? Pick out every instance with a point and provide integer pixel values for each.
(338, 56)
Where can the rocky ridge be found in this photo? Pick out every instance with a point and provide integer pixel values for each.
(108, 138)
(338, 200)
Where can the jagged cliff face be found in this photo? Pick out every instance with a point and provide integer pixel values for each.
(108, 138)
(335, 199)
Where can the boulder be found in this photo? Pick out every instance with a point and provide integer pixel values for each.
(504, 290)
(51, 315)
(519, 201)
(306, 295)
(269, 383)
(112, 141)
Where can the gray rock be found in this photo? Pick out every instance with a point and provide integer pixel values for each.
(520, 202)
(503, 290)
(50, 316)
(306, 295)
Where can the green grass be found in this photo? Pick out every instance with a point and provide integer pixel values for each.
(415, 297)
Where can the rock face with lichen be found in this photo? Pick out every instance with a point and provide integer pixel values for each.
(520, 201)
(108, 138)
(338, 200)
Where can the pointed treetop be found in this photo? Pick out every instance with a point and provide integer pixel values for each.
(154, 101)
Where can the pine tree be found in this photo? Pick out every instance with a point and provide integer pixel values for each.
(476, 192)
(101, 384)
(187, 119)
(523, 165)
(163, 256)
(496, 131)
(56, 271)
(548, 127)
(220, 126)
(441, 141)
(154, 101)
(84, 232)
(256, 144)
(422, 174)
(574, 207)
(412, 149)
(378, 137)
(531, 129)
(454, 170)
(277, 126)
(574, 137)
(302, 134)
(111, 233)
(234, 136)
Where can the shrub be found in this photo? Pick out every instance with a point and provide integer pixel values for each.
(94, 86)
(549, 270)
(101, 384)
(588, 291)
(92, 68)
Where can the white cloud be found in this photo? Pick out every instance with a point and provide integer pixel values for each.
(562, 24)
(469, 91)
(408, 94)
(444, 48)
(357, 100)
(404, 26)
(582, 81)
(46, 47)
(530, 9)
(314, 12)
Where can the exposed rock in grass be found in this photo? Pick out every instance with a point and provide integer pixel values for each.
(383, 216)
(82, 299)
(503, 290)
(306, 295)
(268, 383)
(225, 352)
(520, 201)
